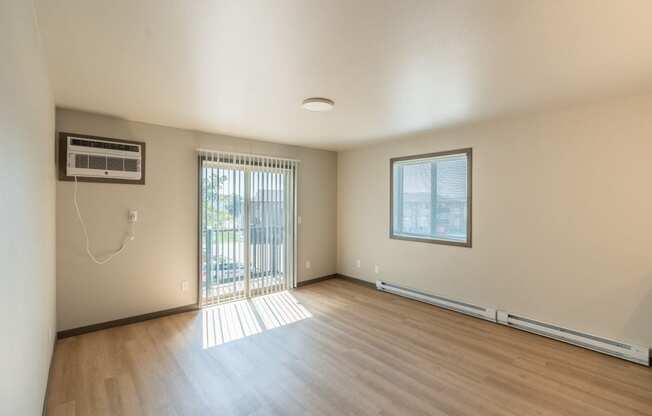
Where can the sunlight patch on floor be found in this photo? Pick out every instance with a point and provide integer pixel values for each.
(236, 320)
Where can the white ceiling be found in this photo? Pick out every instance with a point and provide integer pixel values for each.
(393, 67)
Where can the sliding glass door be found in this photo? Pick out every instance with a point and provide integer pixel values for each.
(247, 223)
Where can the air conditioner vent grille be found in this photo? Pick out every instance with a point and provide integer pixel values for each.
(97, 144)
(97, 162)
(115, 163)
(81, 161)
(131, 165)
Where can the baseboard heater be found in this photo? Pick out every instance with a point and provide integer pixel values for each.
(629, 352)
(488, 314)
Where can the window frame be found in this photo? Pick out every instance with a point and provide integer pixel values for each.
(469, 188)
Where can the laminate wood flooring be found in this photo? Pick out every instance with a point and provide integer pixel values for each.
(336, 348)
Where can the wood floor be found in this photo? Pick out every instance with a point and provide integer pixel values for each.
(340, 349)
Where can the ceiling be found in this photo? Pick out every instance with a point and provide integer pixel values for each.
(393, 68)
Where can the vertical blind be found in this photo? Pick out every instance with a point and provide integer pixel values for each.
(247, 225)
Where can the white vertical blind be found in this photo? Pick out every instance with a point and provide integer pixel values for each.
(247, 225)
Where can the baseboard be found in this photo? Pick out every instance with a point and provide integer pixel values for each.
(357, 281)
(125, 321)
(337, 276)
(316, 280)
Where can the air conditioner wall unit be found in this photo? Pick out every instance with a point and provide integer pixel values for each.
(101, 159)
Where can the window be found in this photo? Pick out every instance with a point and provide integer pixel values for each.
(431, 198)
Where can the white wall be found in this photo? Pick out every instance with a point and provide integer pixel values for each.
(27, 194)
(147, 277)
(562, 224)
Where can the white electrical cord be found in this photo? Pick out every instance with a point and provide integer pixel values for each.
(130, 236)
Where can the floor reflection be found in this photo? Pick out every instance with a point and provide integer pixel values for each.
(236, 320)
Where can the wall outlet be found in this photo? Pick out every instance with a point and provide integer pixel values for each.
(376, 269)
(184, 286)
(308, 264)
(50, 334)
(299, 219)
(133, 215)
(357, 263)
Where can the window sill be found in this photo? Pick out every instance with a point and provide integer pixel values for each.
(431, 240)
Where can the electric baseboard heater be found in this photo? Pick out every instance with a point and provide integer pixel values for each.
(625, 351)
(481, 312)
(630, 352)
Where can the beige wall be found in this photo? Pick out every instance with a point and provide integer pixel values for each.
(27, 194)
(562, 226)
(148, 276)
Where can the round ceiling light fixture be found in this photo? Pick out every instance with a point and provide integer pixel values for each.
(318, 104)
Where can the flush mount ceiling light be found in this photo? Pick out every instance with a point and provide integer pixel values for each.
(318, 104)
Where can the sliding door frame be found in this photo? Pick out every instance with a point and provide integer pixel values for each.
(292, 213)
(200, 223)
